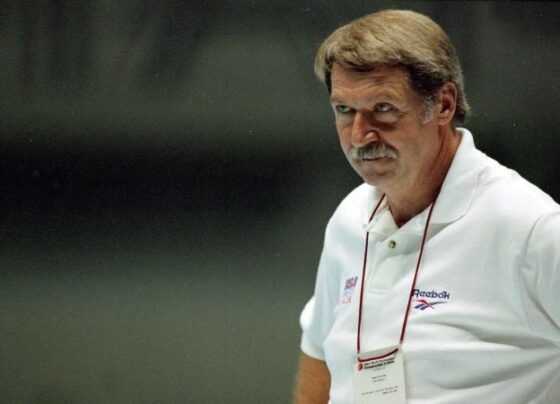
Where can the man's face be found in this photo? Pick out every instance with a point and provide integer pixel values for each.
(379, 119)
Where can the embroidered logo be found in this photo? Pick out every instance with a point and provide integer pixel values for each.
(423, 303)
(349, 287)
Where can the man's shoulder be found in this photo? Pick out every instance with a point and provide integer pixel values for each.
(506, 182)
(508, 194)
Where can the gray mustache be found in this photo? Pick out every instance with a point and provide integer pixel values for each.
(372, 151)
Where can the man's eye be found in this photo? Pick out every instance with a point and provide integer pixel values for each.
(343, 109)
(383, 107)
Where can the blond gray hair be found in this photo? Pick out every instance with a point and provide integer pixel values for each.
(399, 38)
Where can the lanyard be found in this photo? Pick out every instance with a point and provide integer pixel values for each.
(405, 321)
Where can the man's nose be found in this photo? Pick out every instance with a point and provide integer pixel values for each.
(363, 131)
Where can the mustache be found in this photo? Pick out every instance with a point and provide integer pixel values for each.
(372, 151)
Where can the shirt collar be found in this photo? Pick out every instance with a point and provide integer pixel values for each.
(456, 193)
(460, 183)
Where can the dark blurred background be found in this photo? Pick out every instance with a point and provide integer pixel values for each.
(168, 168)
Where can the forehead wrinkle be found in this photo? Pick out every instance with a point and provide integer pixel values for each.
(381, 75)
(378, 74)
(380, 84)
(385, 93)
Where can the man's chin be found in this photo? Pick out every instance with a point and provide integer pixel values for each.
(374, 177)
(375, 180)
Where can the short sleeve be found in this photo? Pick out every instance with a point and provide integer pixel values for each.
(541, 274)
(317, 316)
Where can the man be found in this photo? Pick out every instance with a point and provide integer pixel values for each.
(439, 276)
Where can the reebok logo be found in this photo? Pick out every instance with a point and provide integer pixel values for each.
(422, 297)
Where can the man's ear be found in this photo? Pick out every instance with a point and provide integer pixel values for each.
(446, 103)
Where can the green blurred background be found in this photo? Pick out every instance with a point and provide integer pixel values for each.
(168, 168)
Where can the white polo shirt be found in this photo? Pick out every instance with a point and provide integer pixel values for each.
(484, 323)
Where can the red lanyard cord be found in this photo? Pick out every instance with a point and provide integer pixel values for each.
(424, 236)
(364, 272)
(405, 321)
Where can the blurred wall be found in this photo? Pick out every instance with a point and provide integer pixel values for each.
(168, 168)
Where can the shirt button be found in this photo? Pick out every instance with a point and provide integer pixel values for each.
(392, 244)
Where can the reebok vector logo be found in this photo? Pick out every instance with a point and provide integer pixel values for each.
(427, 299)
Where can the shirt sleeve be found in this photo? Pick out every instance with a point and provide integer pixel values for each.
(317, 316)
(541, 274)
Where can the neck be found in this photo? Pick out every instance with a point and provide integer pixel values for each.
(407, 201)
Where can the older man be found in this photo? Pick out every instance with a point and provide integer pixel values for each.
(439, 276)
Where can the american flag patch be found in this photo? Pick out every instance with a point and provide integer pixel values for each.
(351, 283)
(349, 287)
